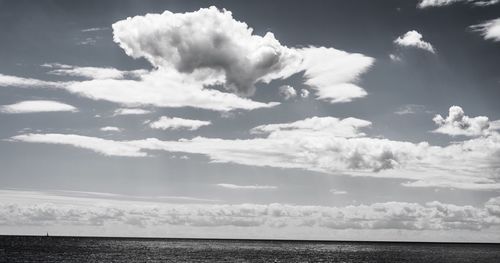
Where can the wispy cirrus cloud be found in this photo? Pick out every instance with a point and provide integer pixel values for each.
(489, 29)
(247, 187)
(440, 3)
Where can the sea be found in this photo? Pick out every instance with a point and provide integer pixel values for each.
(92, 249)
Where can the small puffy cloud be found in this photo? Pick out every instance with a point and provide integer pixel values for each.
(439, 3)
(395, 58)
(489, 29)
(247, 187)
(31, 106)
(457, 123)
(130, 111)
(304, 93)
(175, 123)
(414, 39)
(110, 129)
(92, 72)
(287, 92)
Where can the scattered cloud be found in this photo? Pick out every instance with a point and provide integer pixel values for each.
(395, 58)
(12, 81)
(22, 208)
(175, 123)
(338, 192)
(248, 187)
(111, 129)
(287, 92)
(414, 39)
(92, 72)
(439, 3)
(235, 55)
(457, 123)
(304, 93)
(489, 29)
(332, 73)
(102, 146)
(31, 106)
(225, 52)
(130, 111)
(94, 29)
(327, 145)
(412, 109)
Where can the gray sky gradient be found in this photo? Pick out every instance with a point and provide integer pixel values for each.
(242, 146)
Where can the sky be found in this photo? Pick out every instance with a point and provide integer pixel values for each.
(338, 120)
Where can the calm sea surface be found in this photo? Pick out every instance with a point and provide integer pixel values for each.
(72, 249)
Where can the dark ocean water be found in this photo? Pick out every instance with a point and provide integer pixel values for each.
(73, 249)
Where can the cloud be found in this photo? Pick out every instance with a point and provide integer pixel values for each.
(195, 52)
(102, 146)
(304, 93)
(13, 81)
(395, 58)
(156, 88)
(229, 49)
(205, 39)
(328, 145)
(414, 39)
(489, 29)
(94, 29)
(348, 127)
(22, 208)
(130, 111)
(338, 192)
(287, 92)
(31, 106)
(457, 123)
(92, 72)
(111, 129)
(175, 123)
(412, 109)
(439, 3)
(332, 73)
(248, 187)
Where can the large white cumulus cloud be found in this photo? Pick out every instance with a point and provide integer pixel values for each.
(212, 40)
(194, 53)
(206, 39)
